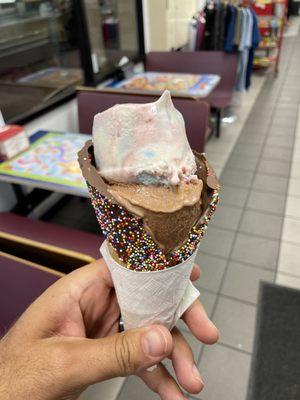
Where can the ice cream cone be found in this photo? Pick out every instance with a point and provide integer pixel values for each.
(153, 198)
(157, 240)
(151, 297)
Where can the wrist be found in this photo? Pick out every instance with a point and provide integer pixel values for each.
(5, 373)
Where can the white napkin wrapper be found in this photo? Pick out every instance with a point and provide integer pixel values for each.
(154, 297)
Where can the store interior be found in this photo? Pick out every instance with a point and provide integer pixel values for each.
(232, 68)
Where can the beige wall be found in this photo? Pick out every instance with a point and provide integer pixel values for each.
(166, 22)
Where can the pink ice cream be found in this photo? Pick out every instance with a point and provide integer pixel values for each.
(143, 143)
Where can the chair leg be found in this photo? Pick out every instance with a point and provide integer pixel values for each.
(218, 122)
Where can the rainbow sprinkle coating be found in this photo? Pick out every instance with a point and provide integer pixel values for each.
(134, 246)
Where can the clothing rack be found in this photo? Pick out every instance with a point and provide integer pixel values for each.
(231, 26)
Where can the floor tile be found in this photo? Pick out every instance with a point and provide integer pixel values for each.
(217, 242)
(242, 282)
(234, 177)
(217, 145)
(252, 139)
(247, 149)
(286, 112)
(292, 207)
(289, 259)
(135, 389)
(227, 217)
(270, 183)
(256, 251)
(277, 153)
(218, 170)
(182, 326)
(278, 168)
(297, 143)
(269, 202)
(283, 121)
(287, 280)
(216, 157)
(295, 171)
(258, 223)
(291, 230)
(212, 269)
(225, 373)
(296, 156)
(242, 162)
(233, 196)
(236, 323)
(108, 390)
(194, 343)
(287, 108)
(294, 187)
(208, 300)
(283, 135)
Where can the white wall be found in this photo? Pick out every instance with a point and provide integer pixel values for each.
(63, 118)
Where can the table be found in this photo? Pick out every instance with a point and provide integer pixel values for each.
(50, 163)
(180, 84)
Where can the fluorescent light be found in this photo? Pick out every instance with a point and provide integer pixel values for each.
(7, 1)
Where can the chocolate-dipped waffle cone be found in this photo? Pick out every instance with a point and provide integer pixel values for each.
(150, 254)
(144, 239)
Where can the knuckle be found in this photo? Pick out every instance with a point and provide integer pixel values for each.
(124, 354)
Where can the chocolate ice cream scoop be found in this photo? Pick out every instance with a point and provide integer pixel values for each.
(153, 196)
(152, 227)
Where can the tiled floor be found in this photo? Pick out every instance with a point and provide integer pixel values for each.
(254, 236)
(256, 232)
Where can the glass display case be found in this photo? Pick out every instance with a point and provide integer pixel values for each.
(114, 35)
(48, 47)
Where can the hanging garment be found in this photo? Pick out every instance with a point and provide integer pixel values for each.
(238, 27)
(254, 44)
(249, 28)
(217, 26)
(232, 13)
(224, 21)
(244, 46)
(209, 13)
(200, 29)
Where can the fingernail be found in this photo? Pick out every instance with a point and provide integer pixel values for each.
(154, 343)
(196, 374)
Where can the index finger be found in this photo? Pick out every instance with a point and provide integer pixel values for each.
(196, 272)
(200, 325)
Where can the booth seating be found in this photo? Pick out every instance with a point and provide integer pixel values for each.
(54, 246)
(34, 254)
(198, 62)
(195, 112)
(21, 282)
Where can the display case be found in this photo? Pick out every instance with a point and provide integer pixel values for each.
(111, 34)
(49, 47)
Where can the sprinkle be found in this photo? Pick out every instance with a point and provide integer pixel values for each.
(134, 246)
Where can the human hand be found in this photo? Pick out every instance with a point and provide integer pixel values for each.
(68, 339)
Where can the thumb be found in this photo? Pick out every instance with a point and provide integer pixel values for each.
(119, 355)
